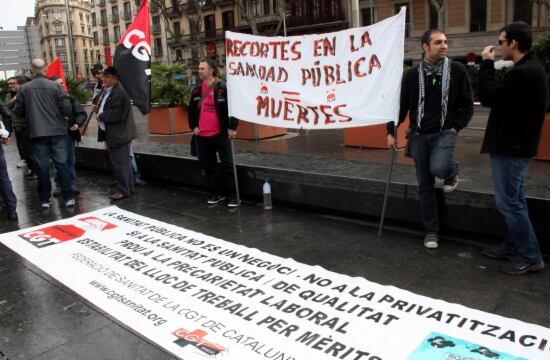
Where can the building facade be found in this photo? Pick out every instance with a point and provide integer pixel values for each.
(56, 24)
(19, 47)
(470, 24)
(111, 18)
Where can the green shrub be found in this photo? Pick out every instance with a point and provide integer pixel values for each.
(169, 87)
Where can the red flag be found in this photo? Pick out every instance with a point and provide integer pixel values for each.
(133, 59)
(56, 69)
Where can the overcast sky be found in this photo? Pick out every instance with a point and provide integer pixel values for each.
(14, 13)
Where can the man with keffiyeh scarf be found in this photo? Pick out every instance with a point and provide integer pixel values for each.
(437, 95)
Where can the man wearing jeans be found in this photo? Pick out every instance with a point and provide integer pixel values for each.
(518, 105)
(46, 107)
(437, 95)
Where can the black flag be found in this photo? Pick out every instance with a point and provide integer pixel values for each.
(133, 60)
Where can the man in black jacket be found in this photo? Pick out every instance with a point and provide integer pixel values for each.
(210, 122)
(117, 128)
(512, 137)
(437, 95)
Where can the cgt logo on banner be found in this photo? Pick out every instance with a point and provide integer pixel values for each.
(56, 234)
(197, 339)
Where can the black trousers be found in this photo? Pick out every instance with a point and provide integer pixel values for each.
(219, 176)
(122, 168)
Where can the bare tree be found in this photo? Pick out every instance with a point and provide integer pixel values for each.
(440, 6)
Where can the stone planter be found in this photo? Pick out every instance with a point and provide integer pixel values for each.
(250, 131)
(169, 121)
(374, 136)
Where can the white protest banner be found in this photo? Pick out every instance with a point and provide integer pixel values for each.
(201, 297)
(343, 79)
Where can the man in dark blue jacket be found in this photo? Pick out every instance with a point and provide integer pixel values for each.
(512, 137)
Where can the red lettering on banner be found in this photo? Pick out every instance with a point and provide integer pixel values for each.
(365, 40)
(374, 63)
(280, 50)
(290, 109)
(324, 47)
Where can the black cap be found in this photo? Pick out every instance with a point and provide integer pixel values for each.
(111, 70)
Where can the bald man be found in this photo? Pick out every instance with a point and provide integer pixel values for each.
(47, 109)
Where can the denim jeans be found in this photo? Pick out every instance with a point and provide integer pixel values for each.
(6, 190)
(508, 172)
(54, 148)
(71, 161)
(433, 157)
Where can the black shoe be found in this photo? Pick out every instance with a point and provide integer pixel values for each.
(500, 252)
(12, 215)
(139, 182)
(215, 199)
(519, 267)
(233, 203)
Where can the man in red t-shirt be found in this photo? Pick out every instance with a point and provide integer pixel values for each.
(209, 119)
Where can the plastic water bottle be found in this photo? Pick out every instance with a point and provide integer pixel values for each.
(267, 195)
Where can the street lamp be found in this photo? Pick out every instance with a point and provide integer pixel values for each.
(71, 45)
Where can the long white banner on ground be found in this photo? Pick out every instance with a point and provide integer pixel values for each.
(322, 81)
(197, 296)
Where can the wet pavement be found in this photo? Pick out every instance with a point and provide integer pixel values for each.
(41, 319)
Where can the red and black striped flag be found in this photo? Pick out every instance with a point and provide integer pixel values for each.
(133, 59)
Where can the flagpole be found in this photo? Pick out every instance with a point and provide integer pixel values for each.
(388, 182)
(235, 172)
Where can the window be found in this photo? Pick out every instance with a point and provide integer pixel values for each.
(158, 46)
(62, 56)
(127, 10)
(103, 17)
(478, 15)
(228, 19)
(178, 55)
(106, 36)
(83, 31)
(209, 26)
(94, 21)
(116, 30)
(58, 28)
(56, 14)
(114, 11)
(59, 42)
(433, 15)
(367, 16)
(96, 39)
(177, 28)
(523, 11)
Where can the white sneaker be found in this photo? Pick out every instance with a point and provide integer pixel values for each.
(431, 241)
(45, 205)
(21, 164)
(70, 203)
(450, 184)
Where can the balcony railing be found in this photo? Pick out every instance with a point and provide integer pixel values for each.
(115, 17)
(157, 52)
(321, 17)
(223, 2)
(103, 22)
(105, 41)
(100, 2)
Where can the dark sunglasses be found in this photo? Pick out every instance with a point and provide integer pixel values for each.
(500, 42)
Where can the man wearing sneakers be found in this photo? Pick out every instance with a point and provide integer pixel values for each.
(209, 119)
(46, 107)
(518, 104)
(437, 95)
